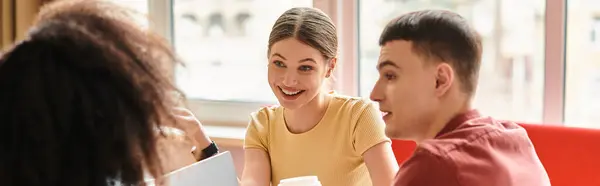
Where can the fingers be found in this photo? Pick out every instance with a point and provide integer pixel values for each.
(180, 111)
(185, 120)
(184, 116)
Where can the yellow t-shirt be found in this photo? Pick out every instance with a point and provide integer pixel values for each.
(332, 150)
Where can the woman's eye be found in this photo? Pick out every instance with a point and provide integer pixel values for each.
(278, 63)
(306, 68)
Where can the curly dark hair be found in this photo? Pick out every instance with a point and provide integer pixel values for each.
(82, 98)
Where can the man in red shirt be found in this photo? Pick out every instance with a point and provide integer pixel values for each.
(429, 66)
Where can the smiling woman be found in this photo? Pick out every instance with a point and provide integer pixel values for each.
(302, 56)
(304, 66)
(299, 77)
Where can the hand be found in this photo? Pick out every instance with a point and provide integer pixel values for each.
(186, 121)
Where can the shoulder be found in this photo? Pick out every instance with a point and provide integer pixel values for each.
(262, 118)
(484, 146)
(423, 165)
(353, 105)
(426, 157)
(475, 134)
(265, 113)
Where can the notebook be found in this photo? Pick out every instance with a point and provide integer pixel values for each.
(217, 170)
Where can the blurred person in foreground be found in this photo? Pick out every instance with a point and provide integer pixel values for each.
(85, 100)
(429, 65)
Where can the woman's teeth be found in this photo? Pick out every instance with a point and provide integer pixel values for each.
(290, 93)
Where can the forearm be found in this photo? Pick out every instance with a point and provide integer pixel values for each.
(201, 142)
(382, 180)
(381, 163)
(201, 139)
(257, 169)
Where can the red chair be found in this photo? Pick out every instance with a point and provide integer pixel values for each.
(570, 155)
(402, 150)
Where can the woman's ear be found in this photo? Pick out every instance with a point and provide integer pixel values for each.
(332, 63)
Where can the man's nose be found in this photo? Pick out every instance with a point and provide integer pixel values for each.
(377, 93)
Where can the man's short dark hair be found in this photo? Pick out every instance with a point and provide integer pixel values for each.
(440, 34)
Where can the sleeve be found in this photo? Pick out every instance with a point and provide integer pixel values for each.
(427, 169)
(369, 129)
(257, 131)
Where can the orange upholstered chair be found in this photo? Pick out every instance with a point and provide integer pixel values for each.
(570, 155)
(402, 149)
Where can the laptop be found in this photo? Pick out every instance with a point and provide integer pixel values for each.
(217, 170)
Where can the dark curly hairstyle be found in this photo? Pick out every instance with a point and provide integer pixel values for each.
(82, 97)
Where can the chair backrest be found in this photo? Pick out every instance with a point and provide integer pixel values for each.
(403, 150)
(570, 155)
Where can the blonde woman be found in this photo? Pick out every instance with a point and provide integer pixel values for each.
(338, 138)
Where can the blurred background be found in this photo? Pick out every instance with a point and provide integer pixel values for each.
(541, 60)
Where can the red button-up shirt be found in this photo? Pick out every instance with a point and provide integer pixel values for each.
(473, 150)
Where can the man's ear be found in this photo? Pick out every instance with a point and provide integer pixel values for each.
(331, 66)
(444, 78)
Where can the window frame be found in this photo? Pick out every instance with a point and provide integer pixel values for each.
(344, 13)
(554, 65)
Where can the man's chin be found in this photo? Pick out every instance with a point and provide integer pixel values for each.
(392, 133)
(398, 132)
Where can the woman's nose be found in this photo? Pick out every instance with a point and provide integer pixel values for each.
(290, 80)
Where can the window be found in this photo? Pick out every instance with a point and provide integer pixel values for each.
(525, 76)
(141, 6)
(224, 46)
(582, 76)
(512, 71)
(595, 38)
